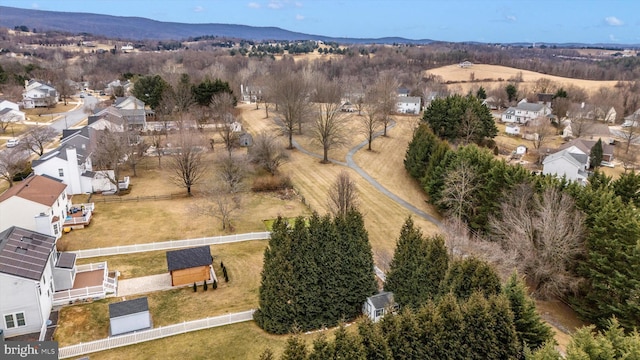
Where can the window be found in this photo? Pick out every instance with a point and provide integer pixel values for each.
(55, 229)
(14, 320)
(379, 312)
(61, 172)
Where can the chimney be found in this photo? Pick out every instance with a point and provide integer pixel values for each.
(26, 84)
(582, 105)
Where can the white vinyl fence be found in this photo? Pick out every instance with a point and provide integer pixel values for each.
(171, 244)
(153, 334)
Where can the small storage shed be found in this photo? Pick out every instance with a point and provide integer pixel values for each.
(191, 265)
(377, 305)
(128, 316)
(521, 150)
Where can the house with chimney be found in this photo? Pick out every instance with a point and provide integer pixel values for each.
(38, 94)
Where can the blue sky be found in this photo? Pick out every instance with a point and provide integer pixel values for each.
(587, 21)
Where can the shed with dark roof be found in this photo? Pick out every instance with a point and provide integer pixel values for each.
(128, 316)
(377, 305)
(187, 266)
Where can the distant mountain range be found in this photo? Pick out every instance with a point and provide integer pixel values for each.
(137, 28)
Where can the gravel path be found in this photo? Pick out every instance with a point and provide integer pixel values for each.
(144, 284)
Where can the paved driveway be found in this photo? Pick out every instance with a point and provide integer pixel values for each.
(144, 284)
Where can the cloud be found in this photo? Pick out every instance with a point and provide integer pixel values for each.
(198, 9)
(613, 38)
(254, 5)
(298, 4)
(275, 5)
(299, 17)
(35, 6)
(613, 21)
(511, 18)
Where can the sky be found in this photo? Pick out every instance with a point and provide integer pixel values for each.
(491, 21)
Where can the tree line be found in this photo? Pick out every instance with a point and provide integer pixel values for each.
(575, 242)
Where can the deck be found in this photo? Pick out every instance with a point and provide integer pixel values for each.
(79, 216)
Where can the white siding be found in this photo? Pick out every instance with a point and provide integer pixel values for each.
(129, 323)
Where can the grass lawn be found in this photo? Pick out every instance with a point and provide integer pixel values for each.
(238, 341)
(87, 322)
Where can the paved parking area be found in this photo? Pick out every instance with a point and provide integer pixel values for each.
(144, 284)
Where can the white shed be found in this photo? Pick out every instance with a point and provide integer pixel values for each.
(511, 129)
(521, 150)
(377, 305)
(128, 316)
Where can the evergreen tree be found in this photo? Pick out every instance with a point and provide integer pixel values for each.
(453, 328)
(149, 89)
(503, 328)
(446, 117)
(512, 92)
(627, 186)
(546, 352)
(600, 181)
(596, 154)
(531, 330)
(322, 349)
(204, 92)
(347, 346)
(267, 354)
(417, 268)
(276, 312)
(481, 93)
(468, 275)
(419, 151)
(479, 339)
(296, 349)
(373, 341)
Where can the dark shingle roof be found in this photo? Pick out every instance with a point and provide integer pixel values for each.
(66, 260)
(381, 300)
(24, 253)
(188, 258)
(128, 307)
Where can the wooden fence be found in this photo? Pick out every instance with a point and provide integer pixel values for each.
(153, 334)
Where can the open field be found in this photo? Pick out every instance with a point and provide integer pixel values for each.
(462, 76)
(87, 322)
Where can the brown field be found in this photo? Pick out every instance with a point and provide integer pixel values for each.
(454, 73)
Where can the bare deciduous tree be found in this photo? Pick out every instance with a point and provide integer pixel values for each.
(459, 185)
(135, 151)
(220, 202)
(290, 93)
(630, 133)
(343, 195)
(582, 120)
(13, 161)
(546, 233)
(371, 121)
(268, 153)
(386, 92)
(232, 170)
(37, 138)
(110, 152)
(470, 126)
(223, 108)
(187, 166)
(329, 121)
(158, 146)
(544, 131)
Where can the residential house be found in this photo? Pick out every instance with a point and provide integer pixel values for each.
(408, 104)
(245, 139)
(564, 163)
(38, 203)
(71, 164)
(524, 112)
(187, 266)
(111, 87)
(10, 112)
(491, 103)
(376, 306)
(34, 277)
(632, 119)
(128, 316)
(512, 129)
(133, 112)
(250, 93)
(403, 92)
(465, 64)
(573, 159)
(37, 94)
(545, 99)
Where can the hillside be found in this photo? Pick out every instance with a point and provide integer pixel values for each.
(137, 28)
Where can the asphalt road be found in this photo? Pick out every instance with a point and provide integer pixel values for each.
(74, 117)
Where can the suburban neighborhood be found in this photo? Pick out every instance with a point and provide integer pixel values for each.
(305, 199)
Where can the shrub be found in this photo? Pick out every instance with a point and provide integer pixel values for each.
(214, 285)
(195, 287)
(271, 183)
(204, 286)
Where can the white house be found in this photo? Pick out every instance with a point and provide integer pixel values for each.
(408, 104)
(377, 305)
(524, 112)
(10, 112)
(132, 111)
(38, 204)
(37, 94)
(512, 129)
(128, 316)
(565, 163)
(403, 92)
(250, 93)
(70, 163)
(27, 262)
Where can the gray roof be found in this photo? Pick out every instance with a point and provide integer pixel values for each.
(530, 107)
(565, 154)
(128, 307)
(382, 299)
(24, 253)
(5, 111)
(66, 260)
(189, 258)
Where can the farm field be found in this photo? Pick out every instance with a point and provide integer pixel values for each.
(462, 76)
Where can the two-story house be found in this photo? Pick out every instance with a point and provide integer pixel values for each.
(38, 204)
(37, 94)
(133, 112)
(573, 159)
(525, 112)
(408, 104)
(10, 112)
